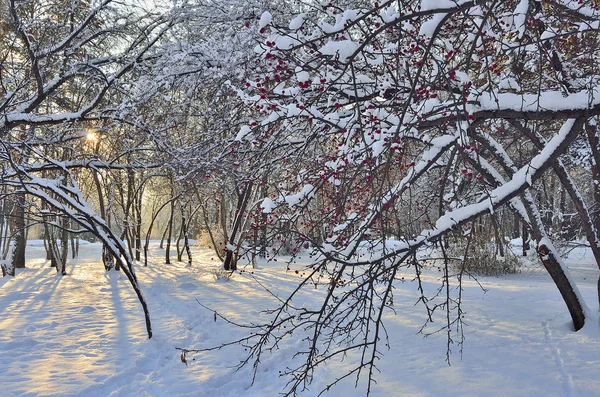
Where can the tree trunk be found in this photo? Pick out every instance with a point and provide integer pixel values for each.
(263, 223)
(590, 224)
(524, 239)
(178, 247)
(184, 232)
(207, 226)
(164, 236)
(20, 239)
(498, 236)
(169, 234)
(230, 262)
(64, 247)
(593, 135)
(546, 252)
(50, 244)
(74, 246)
(107, 260)
(149, 232)
(552, 265)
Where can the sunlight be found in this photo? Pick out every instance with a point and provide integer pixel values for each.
(91, 137)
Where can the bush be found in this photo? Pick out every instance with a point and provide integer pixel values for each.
(222, 274)
(204, 240)
(482, 260)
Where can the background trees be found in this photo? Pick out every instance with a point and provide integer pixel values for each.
(64, 67)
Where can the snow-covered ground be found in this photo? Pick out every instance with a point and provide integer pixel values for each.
(83, 335)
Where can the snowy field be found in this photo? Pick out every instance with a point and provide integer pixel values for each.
(83, 335)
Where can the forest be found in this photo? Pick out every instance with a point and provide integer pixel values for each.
(353, 144)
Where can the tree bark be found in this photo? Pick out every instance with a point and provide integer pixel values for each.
(554, 268)
(107, 260)
(498, 236)
(20, 239)
(138, 225)
(64, 247)
(230, 262)
(184, 232)
(169, 234)
(524, 239)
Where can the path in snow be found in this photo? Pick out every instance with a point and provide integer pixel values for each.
(560, 364)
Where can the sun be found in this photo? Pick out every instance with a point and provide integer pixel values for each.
(91, 137)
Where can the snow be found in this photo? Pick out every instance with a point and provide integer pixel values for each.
(429, 27)
(552, 145)
(342, 49)
(297, 22)
(285, 42)
(265, 19)
(545, 100)
(267, 205)
(428, 5)
(509, 83)
(516, 242)
(520, 14)
(340, 21)
(302, 76)
(389, 14)
(244, 131)
(583, 10)
(83, 334)
(307, 192)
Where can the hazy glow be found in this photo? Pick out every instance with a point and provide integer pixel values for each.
(91, 136)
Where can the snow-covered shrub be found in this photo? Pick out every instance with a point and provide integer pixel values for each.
(483, 260)
(222, 274)
(204, 238)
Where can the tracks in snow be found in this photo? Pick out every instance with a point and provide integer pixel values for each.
(566, 379)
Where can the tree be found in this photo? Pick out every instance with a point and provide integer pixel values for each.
(395, 113)
(63, 64)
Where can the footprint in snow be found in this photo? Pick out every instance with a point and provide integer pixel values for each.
(188, 287)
